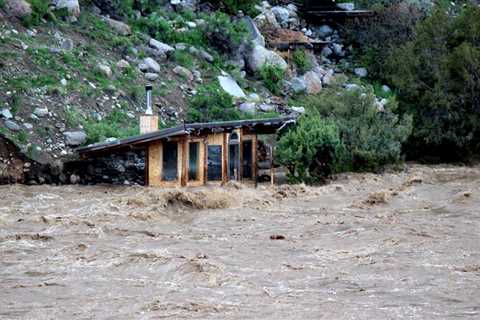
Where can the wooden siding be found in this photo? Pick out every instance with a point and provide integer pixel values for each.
(155, 159)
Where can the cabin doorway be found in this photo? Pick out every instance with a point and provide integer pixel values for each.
(247, 159)
(234, 157)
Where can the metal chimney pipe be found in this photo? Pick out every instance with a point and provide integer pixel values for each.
(149, 110)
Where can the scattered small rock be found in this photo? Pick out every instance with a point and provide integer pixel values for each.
(75, 138)
(152, 65)
(5, 113)
(12, 125)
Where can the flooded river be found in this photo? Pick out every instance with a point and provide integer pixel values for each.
(393, 246)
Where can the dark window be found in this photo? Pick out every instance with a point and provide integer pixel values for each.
(193, 157)
(214, 163)
(247, 159)
(170, 155)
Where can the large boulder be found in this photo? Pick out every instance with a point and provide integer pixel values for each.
(119, 27)
(298, 85)
(152, 65)
(71, 5)
(313, 82)
(5, 113)
(163, 48)
(18, 8)
(75, 138)
(12, 125)
(248, 107)
(231, 87)
(261, 56)
(281, 14)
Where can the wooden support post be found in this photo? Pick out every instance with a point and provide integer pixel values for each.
(225, 158)
(272, 167)
(184, 169)
(254, 160)
(205, 161)
(240, 149)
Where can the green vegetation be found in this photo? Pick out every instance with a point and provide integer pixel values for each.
(211, 103)
(183, 58)
(436, 75)
(302, 60)
(369, 138)
(39, 11)
(272, 77)
(116, 125)
(312, 150)
(218, 31)
(233, 6)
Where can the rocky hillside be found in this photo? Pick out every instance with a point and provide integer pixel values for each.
(73, 73)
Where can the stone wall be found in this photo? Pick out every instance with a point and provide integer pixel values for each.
(121, 168)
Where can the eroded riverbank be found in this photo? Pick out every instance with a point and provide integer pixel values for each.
(391, 246)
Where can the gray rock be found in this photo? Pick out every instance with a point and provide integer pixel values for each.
(231, 87)
(254, 97)
(72, 6)
(64, 82)
(67, 44)
(181, 46)
(152, 65)
(312, 82)
(256, 37)
(163, 48)
(267, 107)
(281, 14)
(119, 27)
(40, 112)
(261, 56)
(206, 56)
(298, 85)
(386, 89)
(326, 52)
(123, 64)
(28, 126)
(18, 8)
(183, 72)
(351, 86)
(347, 6)
(151, 76)
(75, 138)
(191, 24)
(143, 67)
(12, 125)
(105, 70)
(74, 179)
(5, 113)
(266, 19)
(360, 72)
(248, 107)
(298, 109)
(338, 49)
(324, 31)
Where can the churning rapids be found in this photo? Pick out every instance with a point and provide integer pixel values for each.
(391, 246)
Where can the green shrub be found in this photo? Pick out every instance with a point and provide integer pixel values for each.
(372, 138)
(39, 11)
(183, 58)
(437, 78)
(116, 125)
(233, 6)
(301, 59)
(272, 77)
(212, 103)
(312, 150)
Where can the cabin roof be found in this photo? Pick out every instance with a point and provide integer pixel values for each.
(261, 126)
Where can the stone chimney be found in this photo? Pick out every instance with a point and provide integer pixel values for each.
(148, 121)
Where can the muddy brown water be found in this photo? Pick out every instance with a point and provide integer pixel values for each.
(393, 246)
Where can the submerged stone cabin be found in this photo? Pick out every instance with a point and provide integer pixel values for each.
(194, 154)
